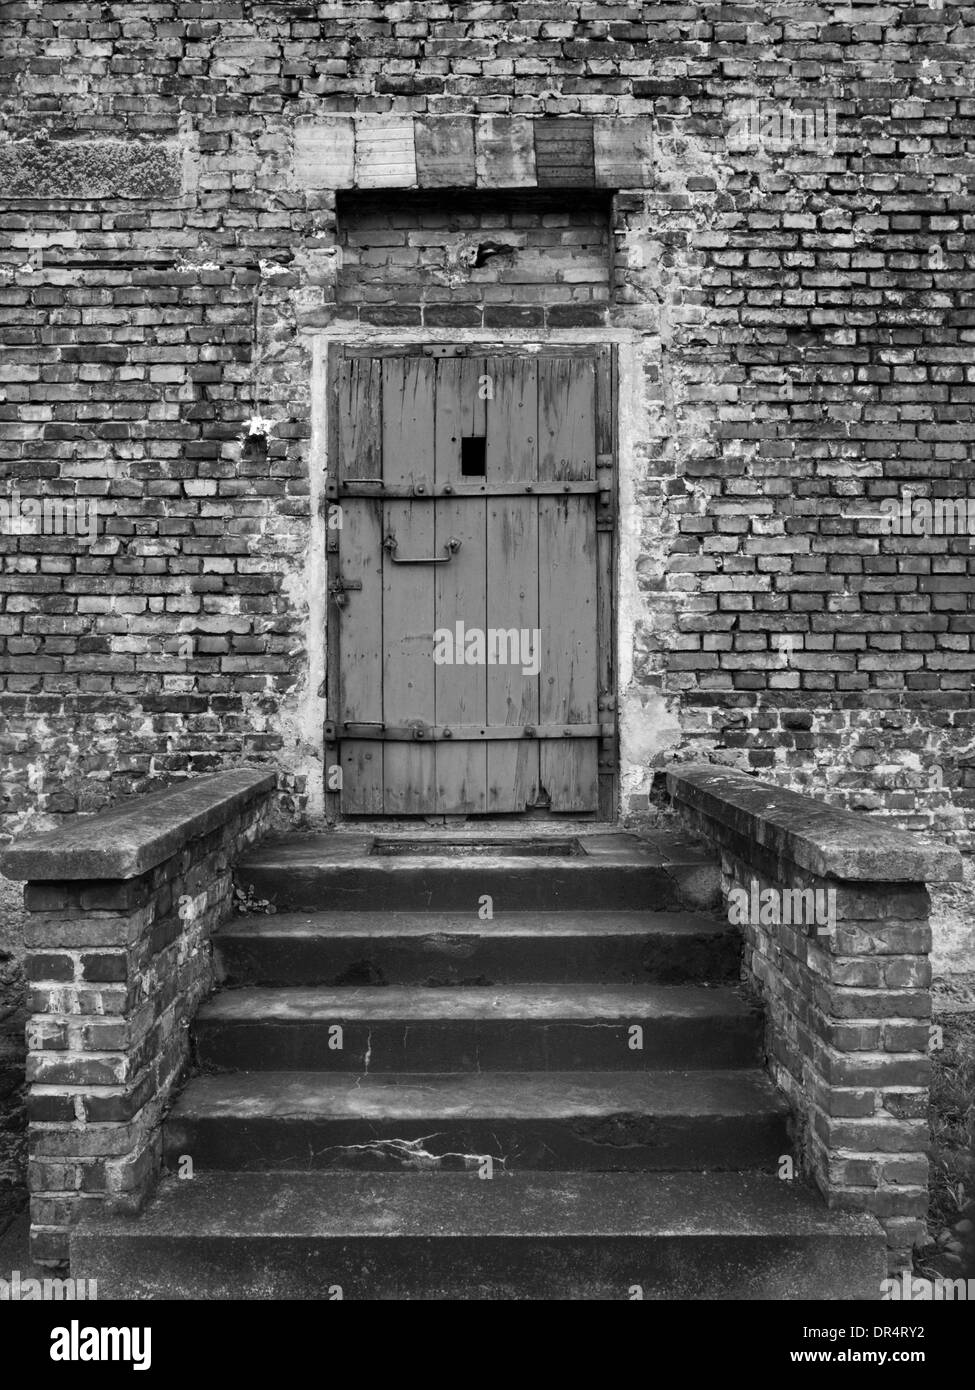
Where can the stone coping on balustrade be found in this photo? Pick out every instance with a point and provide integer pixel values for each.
(817, 837)
(136, 834)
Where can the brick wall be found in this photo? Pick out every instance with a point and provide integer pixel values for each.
(412, 260)
(13, 1099)
(801, 343)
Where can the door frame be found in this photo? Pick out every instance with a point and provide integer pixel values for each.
(607, 552)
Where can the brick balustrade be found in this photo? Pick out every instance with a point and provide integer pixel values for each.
(121, 906)
(120, 909)
(847, 1007)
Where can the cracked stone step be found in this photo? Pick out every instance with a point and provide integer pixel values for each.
(720, 1120)
(523, 1028)
(338, 872)
(394, 1236)
(444, 948)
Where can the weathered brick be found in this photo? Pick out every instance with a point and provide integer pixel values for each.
(104, 966)
(45, 897)
(49, 966)
(123, 896)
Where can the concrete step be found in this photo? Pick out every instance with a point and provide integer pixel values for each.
(603, 1121)
(523, 1028)
(455, 1236)
(342, 873)
(450, 948)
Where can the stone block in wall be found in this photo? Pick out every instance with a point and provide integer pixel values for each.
(385, 153)
(623, 151)
(504, 152)
(90, 169)
(445, 152)
(564, 153)
(324, 153)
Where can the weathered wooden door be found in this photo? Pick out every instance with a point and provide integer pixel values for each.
(471, 581)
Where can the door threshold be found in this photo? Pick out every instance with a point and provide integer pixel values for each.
(473, 829)
(561, 846)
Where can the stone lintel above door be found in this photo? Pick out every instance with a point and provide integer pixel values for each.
(472, 152)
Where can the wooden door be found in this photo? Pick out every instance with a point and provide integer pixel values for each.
(470, 645)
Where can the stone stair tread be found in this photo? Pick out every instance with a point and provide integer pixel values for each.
(439, 1205)
(404, 1097)
(458, 949)
(340, 872)
(331, 850)
(545, 1003)
(379, 925)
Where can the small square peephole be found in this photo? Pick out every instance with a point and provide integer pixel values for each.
(473, 456)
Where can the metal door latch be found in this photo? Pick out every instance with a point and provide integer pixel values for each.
(338, 588)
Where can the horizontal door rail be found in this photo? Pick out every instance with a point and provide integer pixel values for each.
(462, 733)
(366, 487)
(476, 350)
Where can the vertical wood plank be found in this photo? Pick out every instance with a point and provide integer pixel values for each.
(460, 588)
(567, 618)
(567, 581)
(512, 575)
(409, 769)
(407, 406)
(606, 450)
(566, 419)
(512, 419)
(359, 407)
(361, 761)
(359, 619)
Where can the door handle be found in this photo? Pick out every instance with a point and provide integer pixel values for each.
(451, 547)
